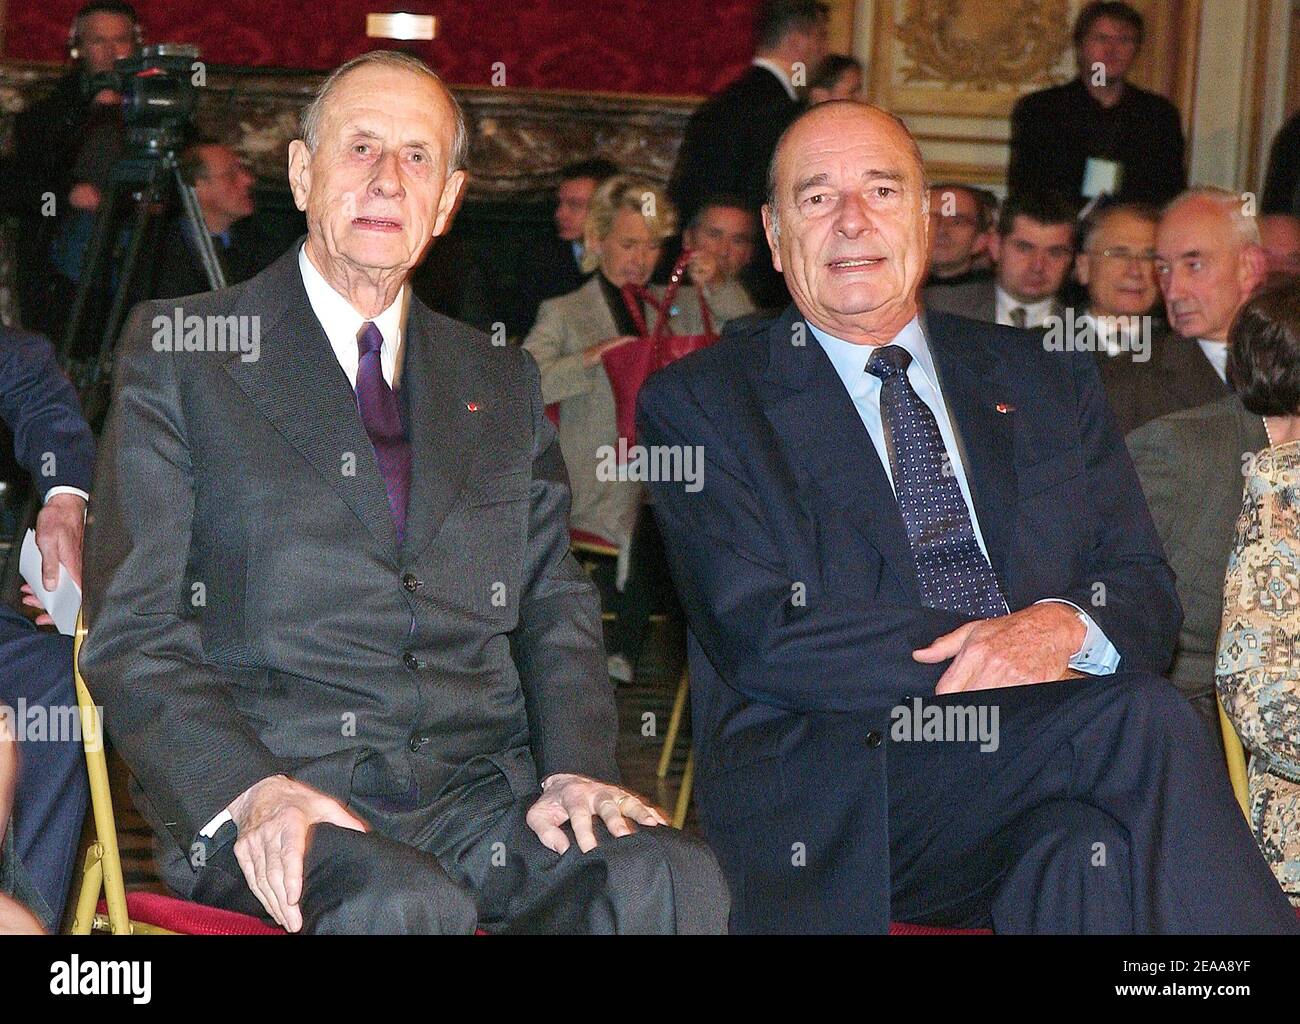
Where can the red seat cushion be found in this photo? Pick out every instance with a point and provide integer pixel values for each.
(186, 918)
(583, 537)
(902, 928)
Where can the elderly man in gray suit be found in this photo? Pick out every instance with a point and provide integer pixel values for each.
(334, 622)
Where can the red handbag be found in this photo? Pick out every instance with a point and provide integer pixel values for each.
(629, 365)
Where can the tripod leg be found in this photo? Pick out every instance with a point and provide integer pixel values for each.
(92, 269)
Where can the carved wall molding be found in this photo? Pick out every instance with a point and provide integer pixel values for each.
(1012, 44)
(519, 138)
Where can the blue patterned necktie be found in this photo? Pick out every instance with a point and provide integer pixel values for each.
(951, 571)
(382, 418)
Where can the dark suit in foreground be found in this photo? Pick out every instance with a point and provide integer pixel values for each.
(252, 613)
(796, 574)
(53, 443)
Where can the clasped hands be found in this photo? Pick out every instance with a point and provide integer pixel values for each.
(1033, 645)
(275, 815)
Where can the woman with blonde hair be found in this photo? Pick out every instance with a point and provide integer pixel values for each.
(1258, 668)
(627, 224)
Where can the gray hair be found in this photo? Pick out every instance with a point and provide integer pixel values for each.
(1247, 227)
(309, 123)
(772, 205)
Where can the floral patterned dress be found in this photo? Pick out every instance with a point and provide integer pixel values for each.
(1258, 669)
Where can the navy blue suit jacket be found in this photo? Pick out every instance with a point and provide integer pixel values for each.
(793, 565)
(41, 409)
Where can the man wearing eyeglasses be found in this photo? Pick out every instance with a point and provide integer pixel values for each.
(1116, 264)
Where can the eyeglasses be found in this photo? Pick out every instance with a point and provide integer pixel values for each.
(1127, 255)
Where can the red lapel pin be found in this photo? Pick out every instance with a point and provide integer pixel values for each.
(472, 406)
(1002, 407)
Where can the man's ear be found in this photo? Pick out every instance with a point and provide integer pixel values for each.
(1254, 269)
(299, 172)
(452, 193)
(770, 232)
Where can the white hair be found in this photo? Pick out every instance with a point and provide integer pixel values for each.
(309, 125)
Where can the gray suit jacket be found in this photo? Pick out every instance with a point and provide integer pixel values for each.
(1191, 467)
(252, 613)
(566, 327)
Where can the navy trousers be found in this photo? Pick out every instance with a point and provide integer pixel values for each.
(1105, 807)
(50, 801)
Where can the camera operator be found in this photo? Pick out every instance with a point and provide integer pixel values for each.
(65, 147)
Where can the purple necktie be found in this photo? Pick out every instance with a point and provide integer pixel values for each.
(382, 419)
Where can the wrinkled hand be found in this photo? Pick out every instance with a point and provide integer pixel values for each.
(84, 196)
(1033, 645)
(60, 527)
(273, 817)
(578, 800)
(592, 355)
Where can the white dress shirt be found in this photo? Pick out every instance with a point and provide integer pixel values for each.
(1217, 353)
(1096, 654)
(342, 323)
(1035, 312)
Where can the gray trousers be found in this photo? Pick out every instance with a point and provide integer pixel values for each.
(478, 864)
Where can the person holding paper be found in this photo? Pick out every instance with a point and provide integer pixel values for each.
(52, 441)
(1099, 134)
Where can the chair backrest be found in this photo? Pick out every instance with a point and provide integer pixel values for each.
(104, 862)
(1235, 754)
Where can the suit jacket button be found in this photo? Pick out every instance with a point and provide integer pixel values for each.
(411, 583)
(873, 738)
(411, 661)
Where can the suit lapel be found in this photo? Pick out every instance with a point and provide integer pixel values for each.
(811, 411)
(444, 431)
(298, 385)
(972, 386)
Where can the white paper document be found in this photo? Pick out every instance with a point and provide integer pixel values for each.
(64, 601)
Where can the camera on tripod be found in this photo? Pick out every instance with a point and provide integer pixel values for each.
(158, 94)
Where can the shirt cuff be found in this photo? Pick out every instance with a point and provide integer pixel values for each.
(1096, 655)
(210, 829)
(66, 490)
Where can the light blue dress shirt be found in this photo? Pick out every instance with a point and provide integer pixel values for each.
(1097, 655)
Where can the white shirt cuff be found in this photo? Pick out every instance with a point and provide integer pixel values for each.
(1096, 655)
(66, 490)
(210, 829)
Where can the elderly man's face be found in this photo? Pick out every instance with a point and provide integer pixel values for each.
(1206, 271)
(226, 190)
(850, 226)
(376, 189)
(1118, 268)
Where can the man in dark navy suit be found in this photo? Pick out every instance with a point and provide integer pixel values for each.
(54, 444)
(927, 603)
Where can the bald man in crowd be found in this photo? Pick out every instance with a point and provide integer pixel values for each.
(876, 578)
(335, 626)
(1208, 263)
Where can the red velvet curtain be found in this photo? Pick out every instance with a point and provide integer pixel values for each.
(638, 46)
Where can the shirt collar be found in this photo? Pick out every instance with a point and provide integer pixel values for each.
(342, 323)
(850, 360)
(1035, 312)
(781, 76)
